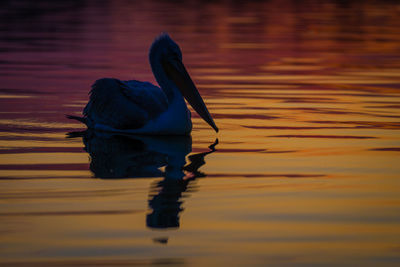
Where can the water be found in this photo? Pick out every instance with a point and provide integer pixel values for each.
(306, 163)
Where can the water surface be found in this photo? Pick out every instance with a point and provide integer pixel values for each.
(305, 169)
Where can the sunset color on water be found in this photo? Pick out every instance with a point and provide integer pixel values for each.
(304, 170)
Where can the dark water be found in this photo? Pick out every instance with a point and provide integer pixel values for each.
(305, 169)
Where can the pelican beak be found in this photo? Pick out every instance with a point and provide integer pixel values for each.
(176, 71)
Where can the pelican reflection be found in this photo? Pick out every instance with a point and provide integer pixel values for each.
(130, 156)
(165, 198)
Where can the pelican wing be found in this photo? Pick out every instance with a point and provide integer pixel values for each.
(124, 104)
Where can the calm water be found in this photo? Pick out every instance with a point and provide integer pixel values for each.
(305, 169)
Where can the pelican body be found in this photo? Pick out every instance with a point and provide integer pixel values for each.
(143, 108)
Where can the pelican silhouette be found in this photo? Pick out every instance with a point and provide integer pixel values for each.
(143, 108)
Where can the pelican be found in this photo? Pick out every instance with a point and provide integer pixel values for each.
(143, 108)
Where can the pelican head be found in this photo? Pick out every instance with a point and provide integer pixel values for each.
(166, 63)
